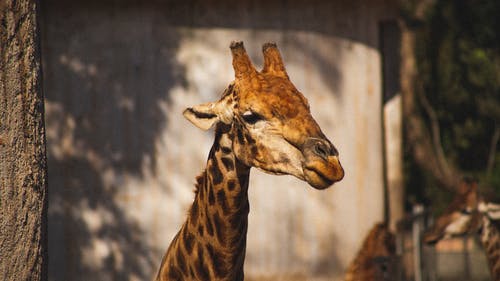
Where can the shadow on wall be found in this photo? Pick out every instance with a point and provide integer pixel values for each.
(108, 68)
(106, 72)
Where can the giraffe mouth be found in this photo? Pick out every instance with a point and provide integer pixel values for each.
(317, 179)
(321, 167)
(321, 175)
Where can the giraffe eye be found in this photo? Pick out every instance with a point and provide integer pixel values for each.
(251, 117)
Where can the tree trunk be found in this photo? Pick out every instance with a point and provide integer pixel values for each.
(424, 143)
(23, 165)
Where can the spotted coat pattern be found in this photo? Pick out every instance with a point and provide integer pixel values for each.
(374, 259)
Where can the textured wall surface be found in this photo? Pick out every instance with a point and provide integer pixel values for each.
(122, 159)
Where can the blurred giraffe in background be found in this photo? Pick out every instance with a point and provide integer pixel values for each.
(469, 214)
(260, 121)
(368, 265)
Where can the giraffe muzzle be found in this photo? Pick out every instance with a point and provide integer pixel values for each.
(321, 167)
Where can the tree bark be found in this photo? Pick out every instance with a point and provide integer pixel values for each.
(424, 143)
(493, 149)
(23, 165)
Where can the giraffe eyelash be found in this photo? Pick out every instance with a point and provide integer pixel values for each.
(251, 117)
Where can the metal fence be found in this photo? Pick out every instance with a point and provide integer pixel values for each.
(463, 260)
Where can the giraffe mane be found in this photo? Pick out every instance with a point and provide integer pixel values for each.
(200, 179)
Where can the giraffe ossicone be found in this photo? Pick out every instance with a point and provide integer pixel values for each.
(260, 121)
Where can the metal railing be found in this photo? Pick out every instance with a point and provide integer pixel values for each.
(416, 261)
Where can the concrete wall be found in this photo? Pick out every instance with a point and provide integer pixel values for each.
(122, 160)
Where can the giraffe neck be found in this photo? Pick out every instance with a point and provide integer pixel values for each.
(372, 260)
(211, 244)
(490, 237)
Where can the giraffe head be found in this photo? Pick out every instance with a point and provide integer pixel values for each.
(270, 122)
(461, 217)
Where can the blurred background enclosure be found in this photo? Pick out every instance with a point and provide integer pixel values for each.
(457, 94)
(122, 160)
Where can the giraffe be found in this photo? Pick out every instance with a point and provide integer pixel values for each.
(468, 214)
(379, 244)
(260, 121)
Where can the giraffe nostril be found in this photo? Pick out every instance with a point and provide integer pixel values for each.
(320, 147)
(321, 150)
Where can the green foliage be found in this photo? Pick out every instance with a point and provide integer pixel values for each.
(458, 60)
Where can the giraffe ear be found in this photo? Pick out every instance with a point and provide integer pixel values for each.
(205, 116)
(202, 116)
